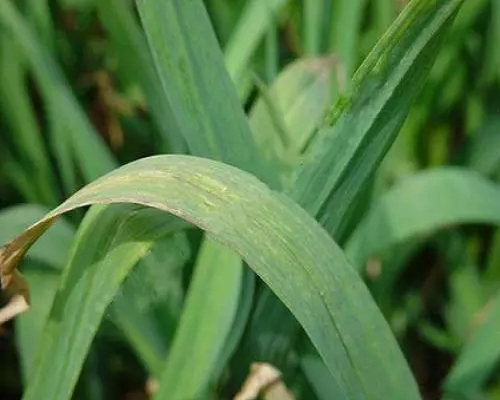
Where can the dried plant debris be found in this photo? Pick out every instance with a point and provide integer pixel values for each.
(265, 381)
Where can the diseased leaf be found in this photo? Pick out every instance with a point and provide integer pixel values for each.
(289, 251)
(202, 97)
(334, 177)
(214, 127)
(51, 249)
(363, 124)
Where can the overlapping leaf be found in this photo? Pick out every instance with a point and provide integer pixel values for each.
(290, 252)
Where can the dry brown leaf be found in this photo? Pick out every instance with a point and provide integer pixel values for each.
(152, 386)
(17, 305)
(264, 380)
(11, 280)
(373, 268)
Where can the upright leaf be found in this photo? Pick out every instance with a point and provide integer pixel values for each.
(18, 112)
(362, 125)
(202, 98)
(30, 325)
(192, 343)
(360, 128)
(147, 307)
(201, 93)
(313, 15)
(249, 31)
(87, 147)
(136, 61)
(345, 32)
(284, 117)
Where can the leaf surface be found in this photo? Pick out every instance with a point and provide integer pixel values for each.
(284, 246)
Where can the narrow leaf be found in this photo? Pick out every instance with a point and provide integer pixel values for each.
(19, 114)
(250, 29)
(345, 32)
(294, 107)
(200, 90)
(148, 305)
(190, 342)
(136, 61)
(362, 126)
(344, 154)
(94, 158)
(78, 310)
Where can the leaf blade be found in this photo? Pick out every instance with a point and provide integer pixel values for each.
(325, 314)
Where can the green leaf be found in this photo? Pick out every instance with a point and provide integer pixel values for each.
(46, 258)
(201, 94)
(192, 343)
(385, 12)
(272, 53)
(492, 272)
(17, 110)
(141, 330)
(284, 246)
(362, 126)
(492, 58)
(466, 299)
(318, 375)
(118, 236)
(93, 157)
(437, 199)
(483, 156)
(294, 106)
(129, 310)
(204, 101)
(345, 31)
(38, 13)
(16, 174)
(148, 305)
(239, 324)
(478, 358)
(336, 170)
(254, 21)
(313, 15)
(30, 325)
(270, 336)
